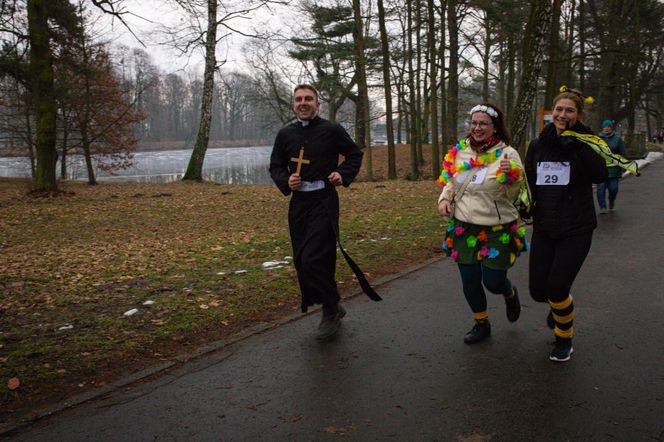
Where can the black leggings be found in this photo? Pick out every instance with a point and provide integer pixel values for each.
(554, 264)
(472, 277)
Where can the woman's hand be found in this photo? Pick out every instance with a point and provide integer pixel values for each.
(444, 208)
(505, 165)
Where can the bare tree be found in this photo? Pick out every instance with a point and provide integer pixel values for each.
(433, 102)
(387, 88)
(193, 34)
(195, 166)
(362, 103)
(537, 28)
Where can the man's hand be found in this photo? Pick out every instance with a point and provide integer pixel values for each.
(335, 179)
(444, 208)
(294, 181)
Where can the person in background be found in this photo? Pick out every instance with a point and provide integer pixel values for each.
(481, 178)
(617, 145)
(561, 170)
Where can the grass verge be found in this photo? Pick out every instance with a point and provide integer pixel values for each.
(73, 265)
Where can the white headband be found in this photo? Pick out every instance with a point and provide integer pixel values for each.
(486, 109)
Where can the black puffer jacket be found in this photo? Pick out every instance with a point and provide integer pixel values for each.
(563, 211)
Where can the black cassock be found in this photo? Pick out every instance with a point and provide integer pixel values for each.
(313, 215)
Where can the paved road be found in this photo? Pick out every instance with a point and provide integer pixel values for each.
(400, 370)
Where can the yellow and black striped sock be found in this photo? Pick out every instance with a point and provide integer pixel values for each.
(563, 316)
(511, 294)
(482, 316)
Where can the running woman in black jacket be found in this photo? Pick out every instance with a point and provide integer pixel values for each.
(561, 170)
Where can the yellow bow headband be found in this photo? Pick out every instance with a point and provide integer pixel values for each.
(587, 100)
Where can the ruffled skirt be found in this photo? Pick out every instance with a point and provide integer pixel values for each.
(496, 247)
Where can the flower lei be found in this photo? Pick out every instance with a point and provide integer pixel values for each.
(450, 169)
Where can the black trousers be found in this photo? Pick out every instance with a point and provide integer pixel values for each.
(554, 264)
(310, 218)
(473, 276)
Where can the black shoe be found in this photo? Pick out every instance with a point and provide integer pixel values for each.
(513, 306)
(480, 331)
(329, 324)
(562, 352)
(549, 321)
(612, 205)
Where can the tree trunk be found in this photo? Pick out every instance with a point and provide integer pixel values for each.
(536, 29)
(453, 89)
(502, 79)
(86, 112)
(486, 58)
(43, 95)
(443, 88)
(511, 78)
(391, 153)
(412, 134)
(632, 61)
(63, 156)
(28, 139)
(195, 167)
(582, 45)
(85, 144)
(362, 89)
(420, 135)
(552, 58)
(433, 101)
(569, 44)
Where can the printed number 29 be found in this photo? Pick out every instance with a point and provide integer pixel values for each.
(550, 179)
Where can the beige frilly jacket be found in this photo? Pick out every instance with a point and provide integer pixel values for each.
(486, 202)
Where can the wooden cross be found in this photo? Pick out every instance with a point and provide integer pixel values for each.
(300, 161)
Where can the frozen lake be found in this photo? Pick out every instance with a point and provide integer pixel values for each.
(230, 165)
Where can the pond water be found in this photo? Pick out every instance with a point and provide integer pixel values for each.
(230, 165)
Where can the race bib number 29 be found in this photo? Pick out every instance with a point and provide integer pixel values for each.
(551, 173)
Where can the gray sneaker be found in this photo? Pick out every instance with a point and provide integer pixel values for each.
(562, 351)
(329, 324)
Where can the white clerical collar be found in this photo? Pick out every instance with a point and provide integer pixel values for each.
(304, 123)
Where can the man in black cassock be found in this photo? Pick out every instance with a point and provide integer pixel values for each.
(305, 162)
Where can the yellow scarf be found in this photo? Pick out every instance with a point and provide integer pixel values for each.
(600, 146)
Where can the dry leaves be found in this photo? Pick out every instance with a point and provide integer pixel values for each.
(13, 384)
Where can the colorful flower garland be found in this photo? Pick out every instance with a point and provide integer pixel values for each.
(449, 168)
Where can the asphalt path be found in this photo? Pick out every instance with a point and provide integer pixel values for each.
(399, 369)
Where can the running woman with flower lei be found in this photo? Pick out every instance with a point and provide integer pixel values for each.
(484, 236)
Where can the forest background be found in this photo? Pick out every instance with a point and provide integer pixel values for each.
(403, 72)
(67, 88)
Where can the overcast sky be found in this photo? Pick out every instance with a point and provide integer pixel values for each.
(145, 16)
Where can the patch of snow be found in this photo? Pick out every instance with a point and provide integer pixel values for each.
(271, 264)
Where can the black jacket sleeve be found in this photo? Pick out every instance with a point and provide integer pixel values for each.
(352, 154)
(530, 168)
(279, 164)
(593, 163)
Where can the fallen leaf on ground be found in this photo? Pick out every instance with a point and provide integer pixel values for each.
(13, 383)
